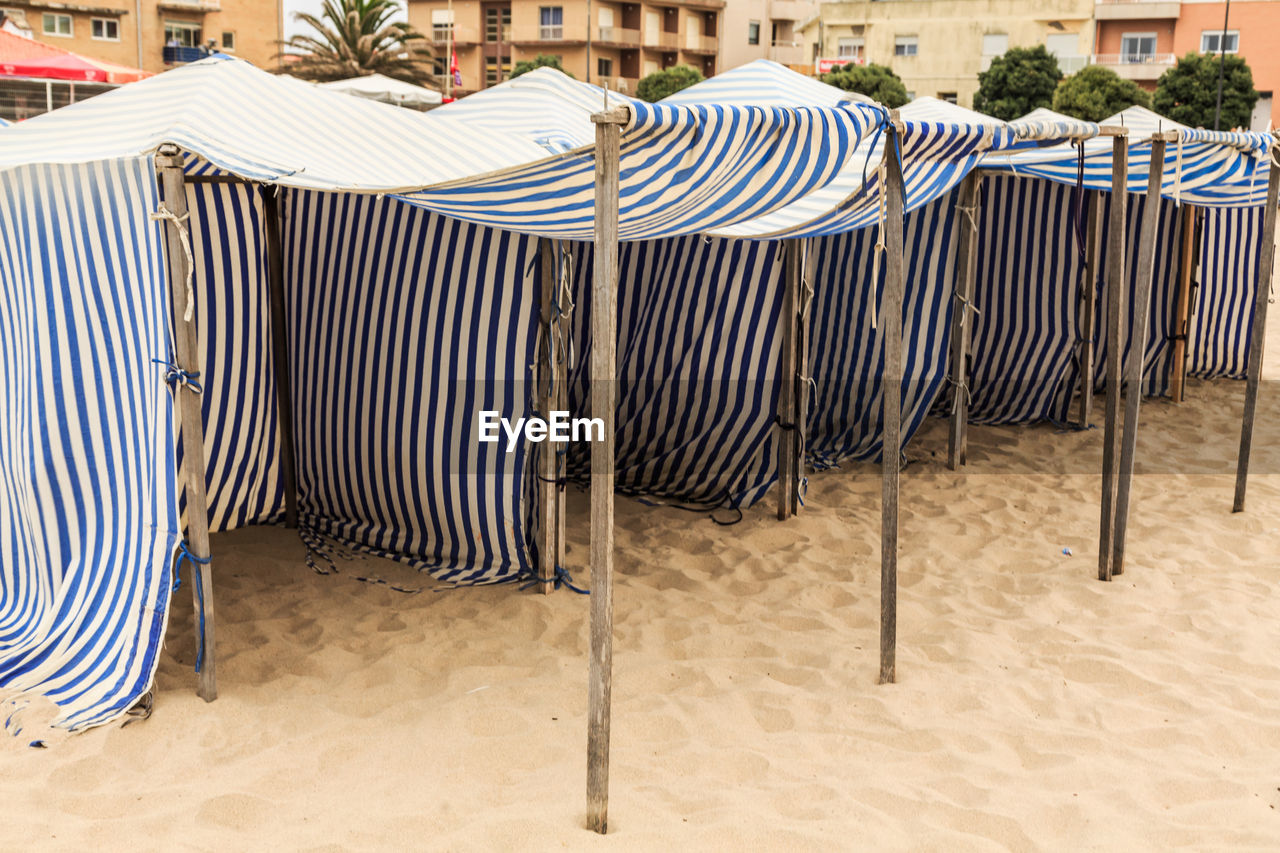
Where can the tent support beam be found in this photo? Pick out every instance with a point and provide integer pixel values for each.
(187, 355)
(1089, 305)
(280, 356)
(1266, 266)
(961, 310)
(1137, 350)
(1116, 283)
(785, 423)
(890, 323)
(800, 396)
(549, 493)
(604, 369)
(1182, 310)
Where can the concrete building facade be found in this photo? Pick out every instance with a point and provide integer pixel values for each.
(938, 47)
(1141, 39)
(766, 29)
(607, 43)
(137, 32)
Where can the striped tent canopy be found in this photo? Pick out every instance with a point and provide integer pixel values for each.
(1208, 168)
(765, 83)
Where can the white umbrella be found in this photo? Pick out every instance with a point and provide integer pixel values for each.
(376, 87)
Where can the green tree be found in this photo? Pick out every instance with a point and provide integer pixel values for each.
(1022, 80)
(877, 82)
(1095, 92)
(668, 81)
(542, 60)
(354, 38)
(1188, 91)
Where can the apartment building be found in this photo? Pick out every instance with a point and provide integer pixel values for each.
(153, 34)
(766, 29)
(607, 43)
(1141, 39)
(938, 47)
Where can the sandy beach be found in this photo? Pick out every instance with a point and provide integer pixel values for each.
(1036, 707)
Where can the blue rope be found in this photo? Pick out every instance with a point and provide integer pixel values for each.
(176, 376)
(196, 562)
(562, 578)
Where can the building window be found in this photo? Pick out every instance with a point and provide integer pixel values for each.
(1137, 47)
(551, 23)
(849, 49)
(604, 67)
(229, 42)
(949, 97)
(995, 44)
(181, 34)
(442, 25)
(57, 25)
(1213, 42)
(104, 29)
(495, 74)
(753, 32)
(905, 46)
(497, 23)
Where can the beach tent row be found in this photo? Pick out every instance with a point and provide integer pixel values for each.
(396, 326)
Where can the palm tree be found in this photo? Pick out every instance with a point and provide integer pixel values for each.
(357, 37)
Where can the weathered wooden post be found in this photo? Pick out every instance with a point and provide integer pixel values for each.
(187, 356)
(604, 359)
(785, 423)
(1116, 284)
(1138, 345)
(1088, 306)
(1266, 265)
(800, 396)
(280, 355)
(548, 474)
(1182, 305)
(891, 396)
(961, 311)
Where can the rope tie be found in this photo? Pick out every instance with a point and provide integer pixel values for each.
(961, 386)
(196, 563)
(966, 303)
(971, 213)
(179, 378)
(561, 578)
(165, 214)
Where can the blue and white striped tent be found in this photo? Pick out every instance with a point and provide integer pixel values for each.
(1027, 340)
(404, 320)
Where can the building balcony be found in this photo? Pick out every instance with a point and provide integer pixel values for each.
(1136, 10)
(1137, 66)
(625, 85)
(788, 10)
(440, 36)
(701, 44)
(662, 40)
(788, 53)
(176, 55)
(570, 34)
(190, 5)
(617, 35)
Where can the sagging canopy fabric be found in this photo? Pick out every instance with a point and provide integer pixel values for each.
(1203, 167)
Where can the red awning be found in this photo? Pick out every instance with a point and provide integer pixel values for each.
(23, 57)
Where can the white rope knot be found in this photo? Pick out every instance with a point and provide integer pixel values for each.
(164, 214)
(972, 213)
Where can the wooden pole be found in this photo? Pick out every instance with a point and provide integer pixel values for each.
(1116, 284)
(1088, 306)
(1266, 266)
(800, 396)
(1182, 309)
(604, 360)
(784, 426)
(1137, 349)
(187, 354)
(890, 323)
(561, 367)
(961, 310)
(548, 469)
(280, 355)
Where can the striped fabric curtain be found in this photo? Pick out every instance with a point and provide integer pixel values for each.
(88, 498)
